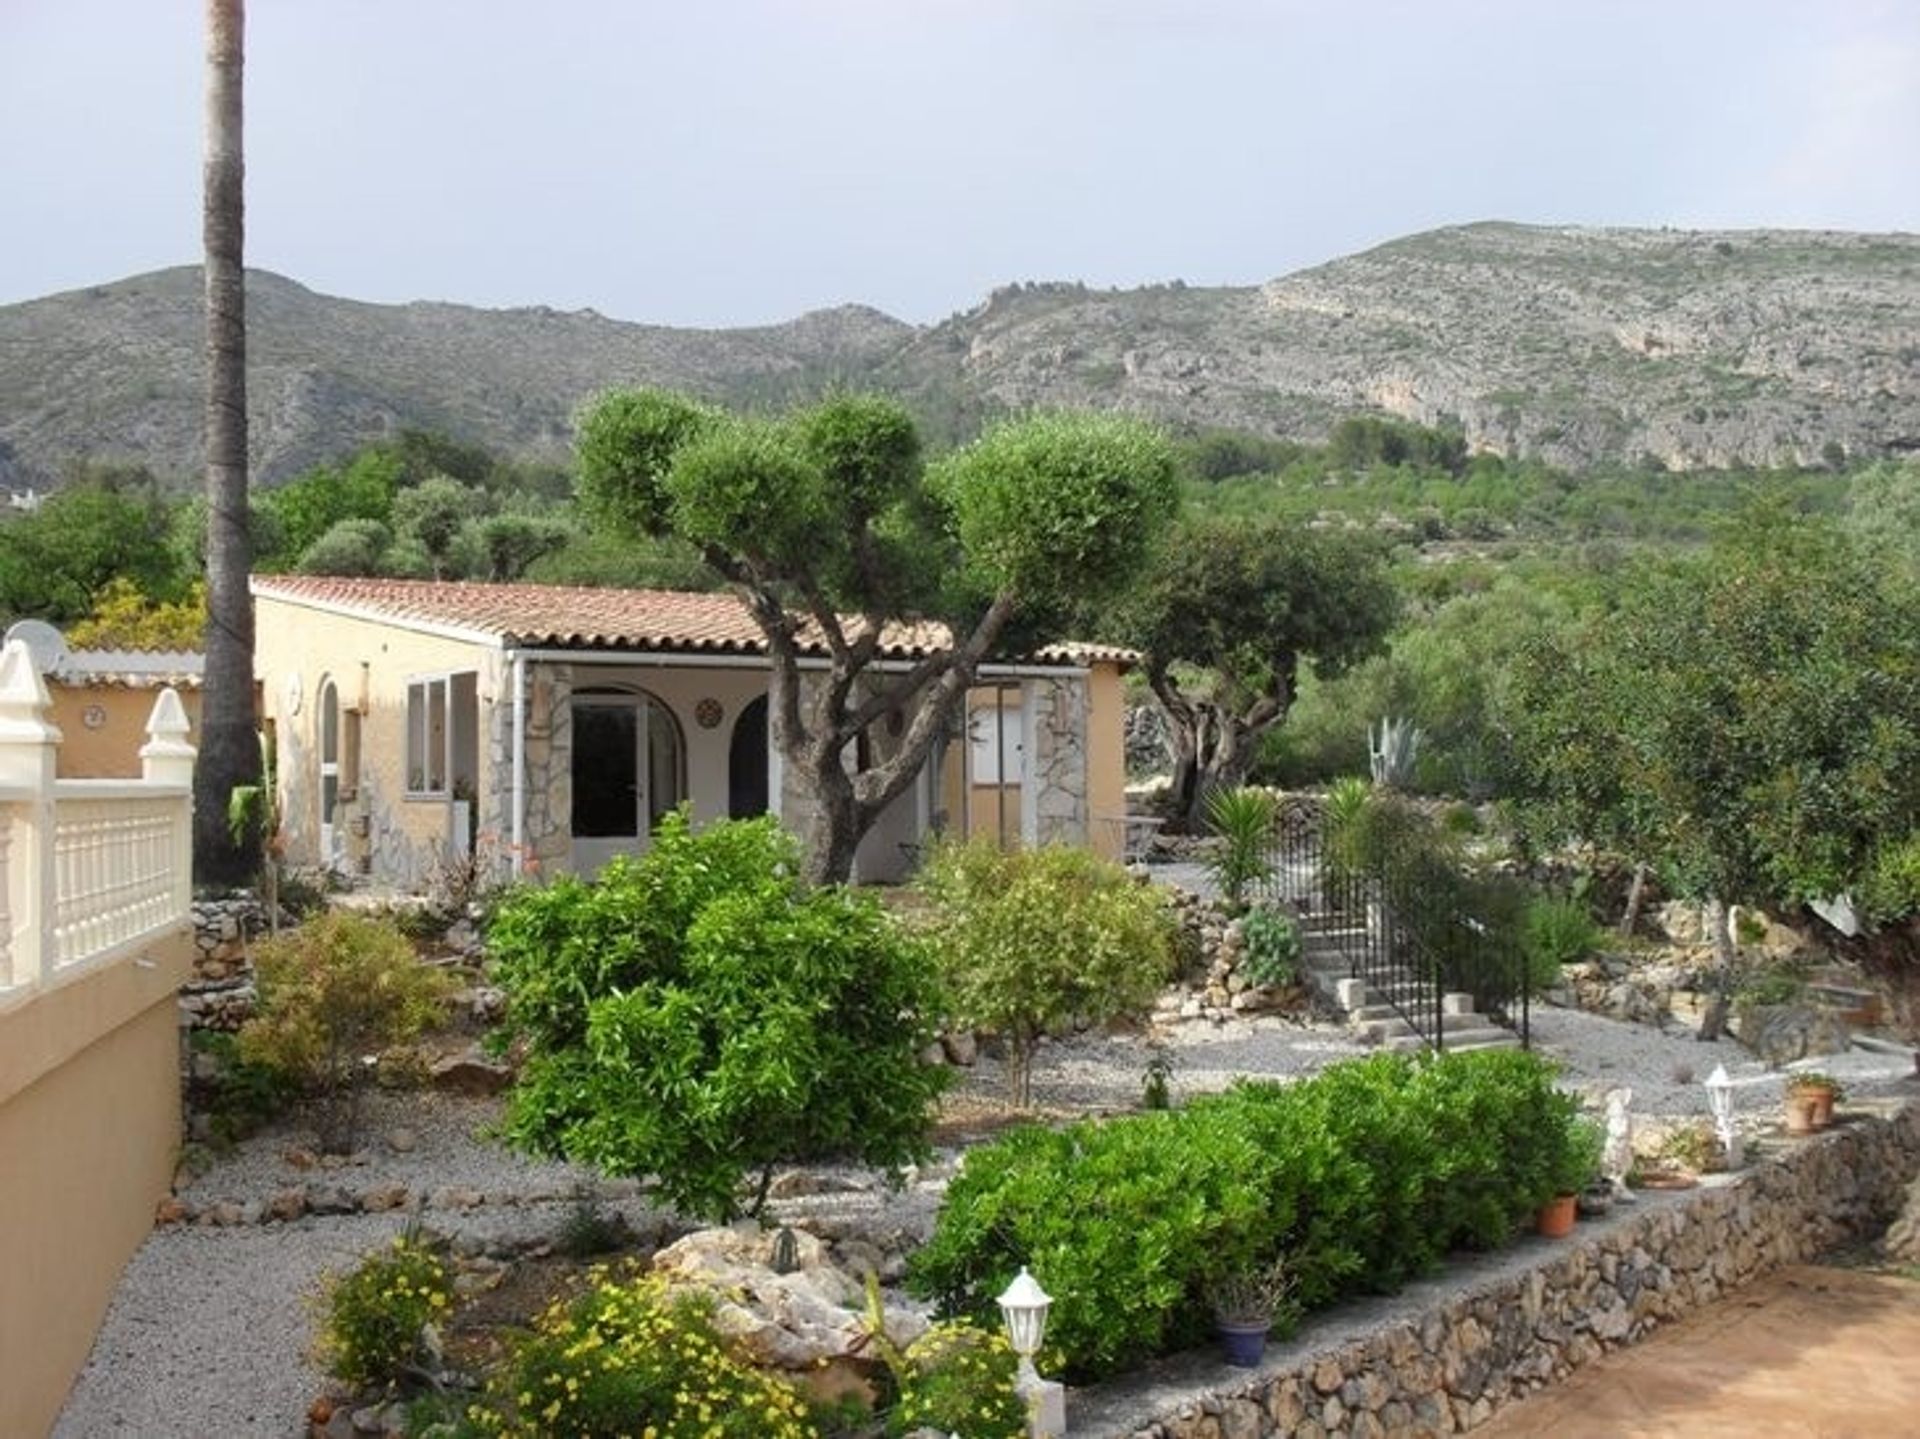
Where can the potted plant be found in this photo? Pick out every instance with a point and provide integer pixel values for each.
(1245, 1303)
(1810, 1097)
(1572, 1171)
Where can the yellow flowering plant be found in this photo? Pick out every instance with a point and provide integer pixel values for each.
(372, 1315)
(630, 1358)
(958, 1378)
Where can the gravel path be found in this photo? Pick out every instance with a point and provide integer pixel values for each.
(209, 1330)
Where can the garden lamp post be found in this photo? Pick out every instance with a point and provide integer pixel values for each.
(1024, 1306)
(1720, 1100)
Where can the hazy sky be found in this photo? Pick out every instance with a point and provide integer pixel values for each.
(720, 162)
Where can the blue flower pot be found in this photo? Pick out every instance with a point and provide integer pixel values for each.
(1244, 1343)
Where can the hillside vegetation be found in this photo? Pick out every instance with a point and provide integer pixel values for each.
(1576, 347)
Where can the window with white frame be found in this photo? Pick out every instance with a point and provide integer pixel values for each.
(427, 735)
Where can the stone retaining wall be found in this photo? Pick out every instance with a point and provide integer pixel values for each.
(1445, 1355)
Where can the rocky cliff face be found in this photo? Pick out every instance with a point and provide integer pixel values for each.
(1578, 345)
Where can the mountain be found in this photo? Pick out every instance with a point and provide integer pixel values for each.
(1578, 345)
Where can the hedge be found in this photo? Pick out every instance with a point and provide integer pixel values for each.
(1360, 1178)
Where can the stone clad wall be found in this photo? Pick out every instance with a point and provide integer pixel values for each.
(1447, 1367)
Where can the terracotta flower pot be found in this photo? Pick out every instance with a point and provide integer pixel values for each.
(1822, 1107)
(1556, 1216)
(1800, 1109)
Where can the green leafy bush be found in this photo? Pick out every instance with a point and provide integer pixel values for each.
(1272, 942)
(1891, 890)
(373, 1314)
(700, 1013)
(1243, 819)
(1554, 933)
(339, 988)
(1031, 938)
(958, 1379)
(242, 1094)
(628, 1358)
(1359, 1179)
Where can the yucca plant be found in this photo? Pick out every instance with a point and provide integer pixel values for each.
(1243, 819)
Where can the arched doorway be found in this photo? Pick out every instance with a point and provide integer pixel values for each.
(747, 788)
(629, 769)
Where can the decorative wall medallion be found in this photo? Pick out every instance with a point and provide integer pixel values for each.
(94, 716)
(708, 713)
(294, 688)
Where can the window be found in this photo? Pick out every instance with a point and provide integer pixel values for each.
(427, 736)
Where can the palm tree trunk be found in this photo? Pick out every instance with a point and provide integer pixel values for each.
(229, 751)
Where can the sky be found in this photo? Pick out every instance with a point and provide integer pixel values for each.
(738, 162)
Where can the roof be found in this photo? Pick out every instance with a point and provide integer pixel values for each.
(580, 618)
(129, 669)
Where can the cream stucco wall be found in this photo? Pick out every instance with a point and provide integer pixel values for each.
(89, 1131)
(297, 648)
(1106, 759)
(110, 749)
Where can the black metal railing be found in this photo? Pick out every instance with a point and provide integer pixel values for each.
(1404, 939)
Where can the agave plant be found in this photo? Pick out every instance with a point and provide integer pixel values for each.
(1394, 751)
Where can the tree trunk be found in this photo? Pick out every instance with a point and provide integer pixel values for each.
(1714, 1021)
(1635, 892)
(1217, 750)
(229, 750)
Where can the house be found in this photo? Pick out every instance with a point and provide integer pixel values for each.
(101, 698)
(417, 723)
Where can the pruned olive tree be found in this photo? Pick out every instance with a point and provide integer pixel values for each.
(830, 529)
(1225, 620)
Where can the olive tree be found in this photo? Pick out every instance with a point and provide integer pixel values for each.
(830, 529)
(1225, 620)
(1746, 719)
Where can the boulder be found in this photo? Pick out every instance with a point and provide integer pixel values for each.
(470, 1073)
(809, 1321)
(1903, 1238)
(1782, 1033)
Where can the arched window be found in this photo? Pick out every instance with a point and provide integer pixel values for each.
(327, 716)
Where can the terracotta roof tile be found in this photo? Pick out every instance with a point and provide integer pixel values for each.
(564, 617)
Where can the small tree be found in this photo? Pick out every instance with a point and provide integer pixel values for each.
(1031, 939)
(1226, 618)
(701, 1014)
(333, 993)
(829, 530)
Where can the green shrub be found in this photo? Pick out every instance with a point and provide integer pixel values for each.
(1556, 932)
(958, 1379)
(1891, 889)
(373, 1314)
(628, 1358)
(243, 1094)
(339, 988)
(1243, 819)
(699, 1014)
(1359, 1179)
(1272, 942)
(1027, 939)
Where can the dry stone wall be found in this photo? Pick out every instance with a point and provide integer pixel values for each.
(1444, 1356)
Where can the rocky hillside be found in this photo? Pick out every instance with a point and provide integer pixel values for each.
(116, 372)
(1579, 345)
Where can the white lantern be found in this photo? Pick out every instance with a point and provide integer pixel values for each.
(1720, 1100)
(1025, 1306)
